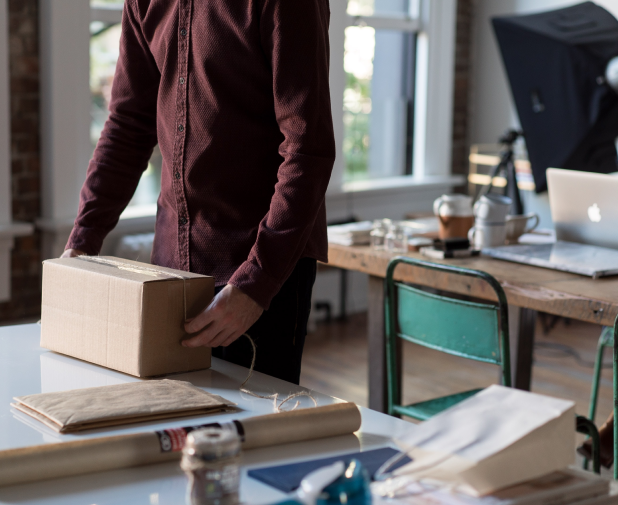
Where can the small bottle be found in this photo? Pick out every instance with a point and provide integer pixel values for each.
(395, 240)
(210, 459)
(377, 234)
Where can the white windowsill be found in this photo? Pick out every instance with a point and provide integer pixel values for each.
(400, 184)
(15, 229)
(145, 214)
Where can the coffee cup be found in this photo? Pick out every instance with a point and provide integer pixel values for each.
(516, 226)
(492, 208)
(483, 235)
(455, 215)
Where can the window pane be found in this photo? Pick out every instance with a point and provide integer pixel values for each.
(358, 64)
(104, 42)
(378, 7)
(378, 102)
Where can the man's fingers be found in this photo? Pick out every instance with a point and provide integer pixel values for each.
(200, 321)
(72, 253)
(204, 337)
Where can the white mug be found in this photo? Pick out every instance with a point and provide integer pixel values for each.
(453, 205)
(516, 226)
(492, 208)
(483, 235)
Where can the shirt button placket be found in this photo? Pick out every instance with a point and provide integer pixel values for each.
(184, 7)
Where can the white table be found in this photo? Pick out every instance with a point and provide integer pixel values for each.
(26, 368)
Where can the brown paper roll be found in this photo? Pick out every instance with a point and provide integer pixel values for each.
(300, 425)
(65, 459)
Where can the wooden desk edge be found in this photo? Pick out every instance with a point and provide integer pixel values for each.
(521, 294)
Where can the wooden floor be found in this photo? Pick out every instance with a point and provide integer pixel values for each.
(335, 362)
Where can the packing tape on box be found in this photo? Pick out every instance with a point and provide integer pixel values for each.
(66, 459)
(140, 270)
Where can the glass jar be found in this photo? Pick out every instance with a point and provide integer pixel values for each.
(377, 233)
(395, 240)
(210, 459)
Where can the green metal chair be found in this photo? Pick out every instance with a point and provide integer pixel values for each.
(606, 340)
(473, 330)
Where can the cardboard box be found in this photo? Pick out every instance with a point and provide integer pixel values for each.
(122, 314)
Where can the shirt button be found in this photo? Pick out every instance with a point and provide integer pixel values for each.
(182, 80)
(181, 128)
(177, 175)
(183, 221)
(183, 32)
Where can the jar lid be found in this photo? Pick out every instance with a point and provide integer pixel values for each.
(212, 443)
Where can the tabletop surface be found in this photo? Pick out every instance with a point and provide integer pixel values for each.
(26, 368)
(560, 293)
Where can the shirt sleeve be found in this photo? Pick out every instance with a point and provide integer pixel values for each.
(295, 40)
(126, 143)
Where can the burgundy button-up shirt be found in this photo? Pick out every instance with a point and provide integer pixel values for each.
(236, 94)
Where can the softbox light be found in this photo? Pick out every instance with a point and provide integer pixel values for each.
(556, 62)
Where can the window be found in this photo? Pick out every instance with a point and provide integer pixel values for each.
(379, 62)
(105, 32)
(392, 109)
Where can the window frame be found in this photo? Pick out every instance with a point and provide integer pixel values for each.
(434, 24)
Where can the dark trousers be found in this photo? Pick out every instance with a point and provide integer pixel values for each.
(279, 333)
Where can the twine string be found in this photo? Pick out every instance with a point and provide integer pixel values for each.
(275, 396)
(155, 272)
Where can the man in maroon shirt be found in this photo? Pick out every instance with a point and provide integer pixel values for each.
(236, 94)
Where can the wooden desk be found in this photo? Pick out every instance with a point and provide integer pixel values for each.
(528, 289)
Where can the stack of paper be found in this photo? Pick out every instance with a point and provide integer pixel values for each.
(565, 487)
(350, 234)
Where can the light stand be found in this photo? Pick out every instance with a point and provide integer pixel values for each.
(507, 165)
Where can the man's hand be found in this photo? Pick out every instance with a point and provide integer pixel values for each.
(72, 253)
(230, 314)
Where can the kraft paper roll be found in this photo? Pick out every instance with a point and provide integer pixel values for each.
(66, 459)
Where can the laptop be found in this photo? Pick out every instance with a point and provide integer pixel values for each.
(584, 207)
(584, 210)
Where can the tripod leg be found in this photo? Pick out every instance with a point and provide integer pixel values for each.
(512, 190)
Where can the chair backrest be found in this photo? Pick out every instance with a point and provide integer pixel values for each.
(473, 330)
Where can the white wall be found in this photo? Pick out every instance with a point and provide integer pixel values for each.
(492, 108)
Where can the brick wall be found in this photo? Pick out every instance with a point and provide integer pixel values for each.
(25, 158)
(461, 110)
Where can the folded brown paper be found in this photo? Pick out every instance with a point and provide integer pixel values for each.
(123, 314)
(78, 457)
(133, 402)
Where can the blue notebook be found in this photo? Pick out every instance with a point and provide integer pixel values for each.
(287, 478)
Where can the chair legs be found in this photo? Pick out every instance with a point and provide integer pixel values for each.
(587, 427)
(606, 339)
